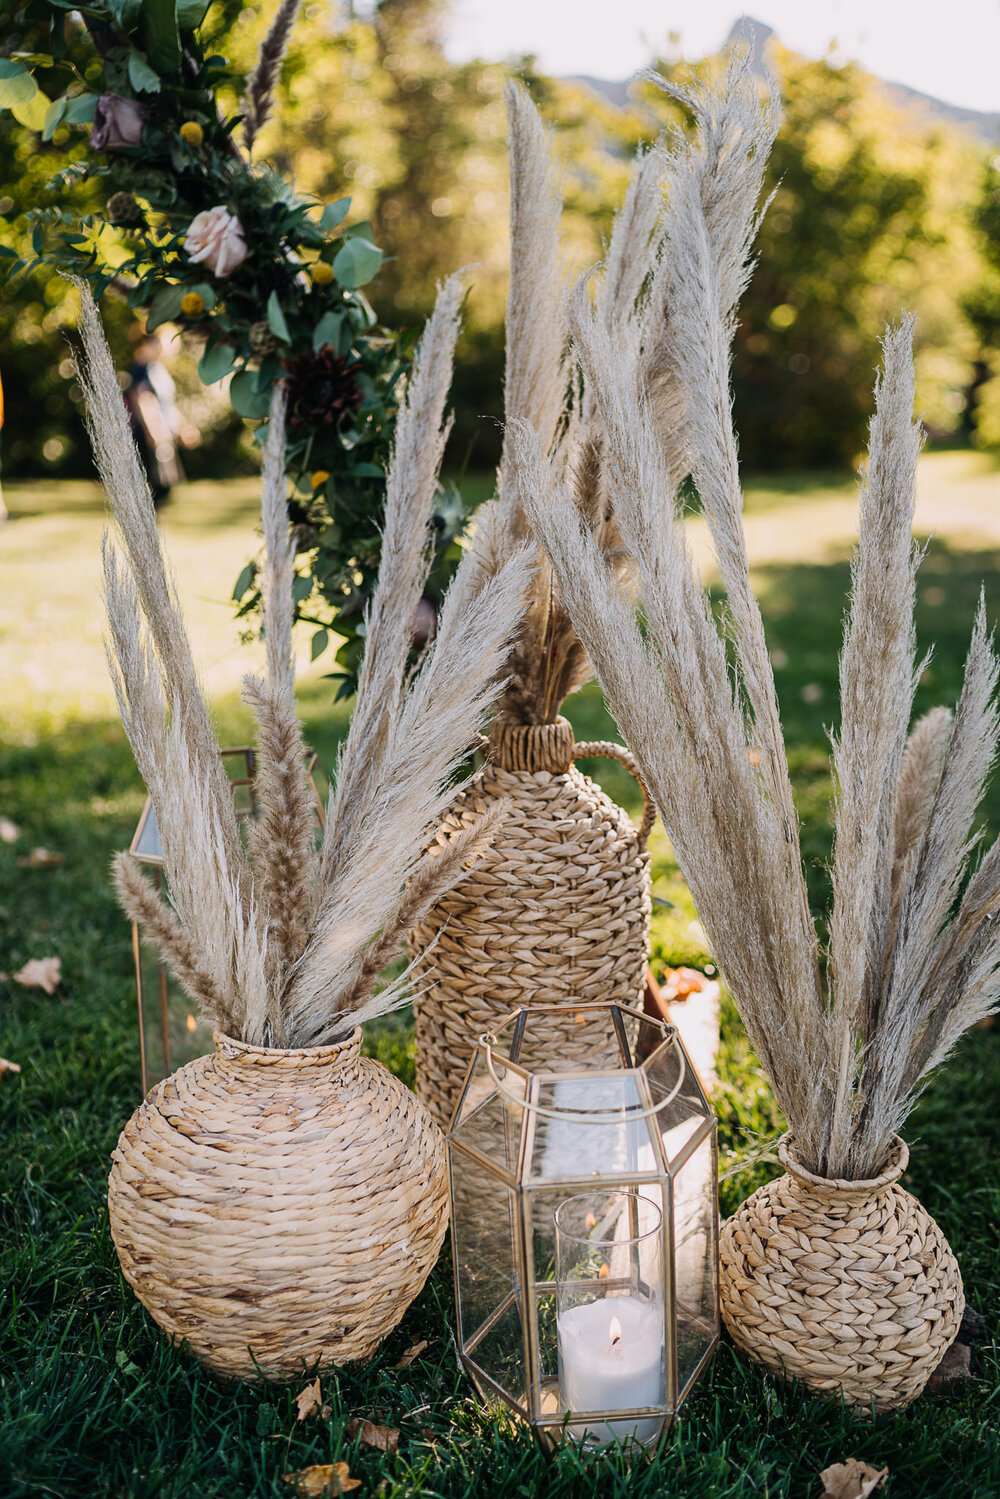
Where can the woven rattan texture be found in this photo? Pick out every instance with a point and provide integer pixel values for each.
(557, 910)
(278, 1207)
(848, 1286)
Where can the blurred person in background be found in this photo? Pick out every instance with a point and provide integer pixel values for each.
(156, 422)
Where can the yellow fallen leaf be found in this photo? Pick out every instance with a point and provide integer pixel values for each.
(323, 1480)
(308, 1400)
(383, 1438)
(851, 1480)
(6, 1066)
(41, 973)
(41, 858)
(9, 831)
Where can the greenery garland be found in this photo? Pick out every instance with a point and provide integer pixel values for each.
(199, 235)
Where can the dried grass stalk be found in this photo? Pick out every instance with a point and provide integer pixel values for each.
(282, 944)
(910, 965)
(260, 89)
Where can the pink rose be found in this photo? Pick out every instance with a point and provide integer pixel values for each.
(215, 239)
(118, 122)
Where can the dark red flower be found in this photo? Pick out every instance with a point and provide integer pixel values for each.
(321, 387)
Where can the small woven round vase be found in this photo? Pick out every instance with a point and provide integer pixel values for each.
(556, 910)
(849, 1286)
(274, 1208)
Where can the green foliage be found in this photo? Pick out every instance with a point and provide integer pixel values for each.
(164, 155)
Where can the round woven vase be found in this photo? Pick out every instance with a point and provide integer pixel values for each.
(556, 910)
(278, 1208)
(849, 1286)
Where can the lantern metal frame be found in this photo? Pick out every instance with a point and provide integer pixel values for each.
(145, 849)
(644, 1043)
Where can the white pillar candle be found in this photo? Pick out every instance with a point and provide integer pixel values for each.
(611, 1368)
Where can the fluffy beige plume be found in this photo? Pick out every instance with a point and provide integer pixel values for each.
(176, 946)
(919, 774)
(131, 505)
(421, 434)
(670, 693)
(281, 840)
(409, 733)
(437, 872)
(877, 681)
(908, 972)
(276, 945)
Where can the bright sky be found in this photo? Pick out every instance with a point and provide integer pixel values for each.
(947, 48)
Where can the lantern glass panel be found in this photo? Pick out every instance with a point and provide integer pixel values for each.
(681, 1106)
(532, 1134)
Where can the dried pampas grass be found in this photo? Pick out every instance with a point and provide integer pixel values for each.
(911, 962)
(281, 942)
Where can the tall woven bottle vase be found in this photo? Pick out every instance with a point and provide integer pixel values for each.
(556, 911)
(850, 1287)
(274, 1208)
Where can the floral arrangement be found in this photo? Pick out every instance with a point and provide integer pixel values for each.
(197, 233)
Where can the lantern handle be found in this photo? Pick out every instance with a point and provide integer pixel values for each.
(596, 1116)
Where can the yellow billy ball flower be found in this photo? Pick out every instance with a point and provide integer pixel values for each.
(321, 273)
(192, 132)
(319, 478)
(192, 304)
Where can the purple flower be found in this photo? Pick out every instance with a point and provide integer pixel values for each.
(117, 123)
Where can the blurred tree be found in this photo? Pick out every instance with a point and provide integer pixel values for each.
(870, 215)
(873, 212)
(982, 308)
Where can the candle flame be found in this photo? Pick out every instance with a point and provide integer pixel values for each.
(605, 1271)
(192, 1024)
(615, 1331)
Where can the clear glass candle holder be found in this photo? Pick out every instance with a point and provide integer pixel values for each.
(610, 1316)
(557, 1170)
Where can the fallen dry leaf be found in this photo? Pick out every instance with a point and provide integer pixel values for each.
(41, 858)
(309, 1400)
(851, 1480)
(384, 1438)
(414, 1351)
(323, 1480)
(6, 1066)
(41, 973)
(9, 831)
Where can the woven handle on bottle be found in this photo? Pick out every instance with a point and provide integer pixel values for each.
(603, 748)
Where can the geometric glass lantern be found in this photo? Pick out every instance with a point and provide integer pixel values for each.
(585, 1225)
(170, 1033)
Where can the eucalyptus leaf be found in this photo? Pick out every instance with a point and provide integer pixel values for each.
(141, 76)
(163, 44)
(216, 364)
(334, 213)
(276, 319)
(247, 401)
(320, 641)
(53, 115)
(243, 582)
(327, 330)
(80, 109)
(165, 305)
(16, 84)
(356, 262)
(191, 13)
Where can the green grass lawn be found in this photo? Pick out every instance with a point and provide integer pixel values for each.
(92, 1401)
